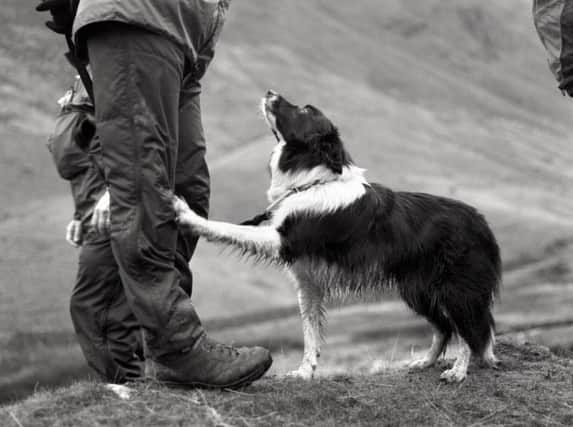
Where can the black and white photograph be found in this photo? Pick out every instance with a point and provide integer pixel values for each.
(286, 213)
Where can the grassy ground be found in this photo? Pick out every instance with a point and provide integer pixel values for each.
(535, 305)
(446, 96)
(532, 387)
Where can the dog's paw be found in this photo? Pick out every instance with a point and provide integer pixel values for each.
(490, 362)
(185, 217)
(180, 206)
(454, 375)
(420, 364)
(302, 373)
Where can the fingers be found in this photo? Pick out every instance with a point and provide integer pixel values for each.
(104, 223)
(100, 221)
(74, 233)
(69, 234)
(101, 216)
(77, 234)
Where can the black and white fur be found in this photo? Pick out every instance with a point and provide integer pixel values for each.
(340, 236)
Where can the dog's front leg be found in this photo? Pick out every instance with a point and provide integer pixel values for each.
(310, 300)
(263, 242)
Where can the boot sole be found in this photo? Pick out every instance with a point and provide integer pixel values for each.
(240, 383)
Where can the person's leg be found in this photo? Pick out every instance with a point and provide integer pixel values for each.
(107, 330)
(137, 79)
(192, 181)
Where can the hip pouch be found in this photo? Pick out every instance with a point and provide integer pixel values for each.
(73, 131)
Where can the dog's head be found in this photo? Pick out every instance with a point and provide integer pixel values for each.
(309, 139)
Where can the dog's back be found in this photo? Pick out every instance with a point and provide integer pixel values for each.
(411, 237)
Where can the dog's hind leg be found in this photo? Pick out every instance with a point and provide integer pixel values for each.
(310, 300)
(442, 333)
(488, 358)
(474, 324)
(439, 343)
(459, 371)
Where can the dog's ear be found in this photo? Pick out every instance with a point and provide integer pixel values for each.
(332, 151)
(333, 160)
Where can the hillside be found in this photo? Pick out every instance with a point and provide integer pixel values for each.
(445, 96)
(533, 387)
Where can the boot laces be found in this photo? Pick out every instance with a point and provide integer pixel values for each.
(217, 347)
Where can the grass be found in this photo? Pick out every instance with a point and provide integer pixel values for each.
(445, 96)
(532, 387)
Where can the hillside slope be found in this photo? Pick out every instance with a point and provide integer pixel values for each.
(451, 97)
(462, 85)
(445, 96)
(532, 387)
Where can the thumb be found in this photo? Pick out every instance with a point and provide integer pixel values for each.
(69, 231)
(78, 233)
(95, 216)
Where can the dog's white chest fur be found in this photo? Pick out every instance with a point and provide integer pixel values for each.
(331, 192)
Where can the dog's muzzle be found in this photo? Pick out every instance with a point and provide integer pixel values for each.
(270, 100)
(268, 104)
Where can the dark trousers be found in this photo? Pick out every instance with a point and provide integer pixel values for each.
(142, 107)
(108, 332)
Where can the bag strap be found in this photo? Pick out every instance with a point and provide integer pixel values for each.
(80, 67)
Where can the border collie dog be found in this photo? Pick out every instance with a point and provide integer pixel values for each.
(340, 236)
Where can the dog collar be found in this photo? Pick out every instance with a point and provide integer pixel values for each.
(267, 214)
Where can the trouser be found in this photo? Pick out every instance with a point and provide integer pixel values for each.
(107, 330)
(139, 94)
(108, 333)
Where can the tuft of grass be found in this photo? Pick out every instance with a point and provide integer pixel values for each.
(532, 387)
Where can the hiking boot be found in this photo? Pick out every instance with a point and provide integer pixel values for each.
(209, 364)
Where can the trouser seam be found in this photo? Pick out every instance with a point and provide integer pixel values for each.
(137, 149)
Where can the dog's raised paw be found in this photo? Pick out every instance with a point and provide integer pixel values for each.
(453, 376)
(185, 216)
(180, 206)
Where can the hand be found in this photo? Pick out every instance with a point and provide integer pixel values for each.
(101, 217)
(63, 13)
(74, 233)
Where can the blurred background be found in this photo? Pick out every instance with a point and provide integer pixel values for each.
(446, 96)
